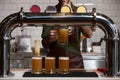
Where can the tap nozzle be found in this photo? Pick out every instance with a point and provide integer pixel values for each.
(21, 16)
(94, 19)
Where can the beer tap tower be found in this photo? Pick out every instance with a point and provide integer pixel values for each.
(105, 23)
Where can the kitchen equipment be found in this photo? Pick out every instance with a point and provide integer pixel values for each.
(24, 42)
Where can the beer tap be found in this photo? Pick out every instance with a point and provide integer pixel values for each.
(94, 19)
(20, 17)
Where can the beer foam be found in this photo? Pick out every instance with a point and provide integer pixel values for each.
(63, 29)
(36, 57)
(49, 57)
(64, 58)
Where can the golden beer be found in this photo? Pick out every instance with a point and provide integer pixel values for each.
(63, 65)
(49, 65)
(63, 36)
(37, 65)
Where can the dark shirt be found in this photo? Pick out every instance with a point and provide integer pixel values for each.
(72, 50)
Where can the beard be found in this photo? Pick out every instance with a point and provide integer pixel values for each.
(63, 2)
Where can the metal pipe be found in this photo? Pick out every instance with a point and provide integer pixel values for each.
(7, 25)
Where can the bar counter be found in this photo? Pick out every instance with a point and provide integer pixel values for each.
(18, 75)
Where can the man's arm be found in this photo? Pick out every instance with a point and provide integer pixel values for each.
(87, 31)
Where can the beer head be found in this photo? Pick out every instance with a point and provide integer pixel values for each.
(49, 57)
(64, 58)
(36, 57)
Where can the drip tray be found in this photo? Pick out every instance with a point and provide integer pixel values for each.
(70, 74)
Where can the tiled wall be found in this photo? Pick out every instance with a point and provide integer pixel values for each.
(110, 8)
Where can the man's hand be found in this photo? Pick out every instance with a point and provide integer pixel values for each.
(53, 35)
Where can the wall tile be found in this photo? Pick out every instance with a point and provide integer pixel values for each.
(4, 1)
(9, 7)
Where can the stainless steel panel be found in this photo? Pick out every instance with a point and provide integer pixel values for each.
(94, 62)
(94, 57)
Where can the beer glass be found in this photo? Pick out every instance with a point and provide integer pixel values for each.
(36, 65)
(63, 65)
(49, 65)
(63, 36)
(37, 47)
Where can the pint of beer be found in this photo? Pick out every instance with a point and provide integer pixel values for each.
(63, 36)
(49, 65)
(36, 65)
(63, 65)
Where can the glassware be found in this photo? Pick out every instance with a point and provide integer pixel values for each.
(64, 65)
(37, 65)
(49, 65)
(37, 47)
(63, 36)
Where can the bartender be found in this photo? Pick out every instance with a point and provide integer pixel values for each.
(50, 38)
